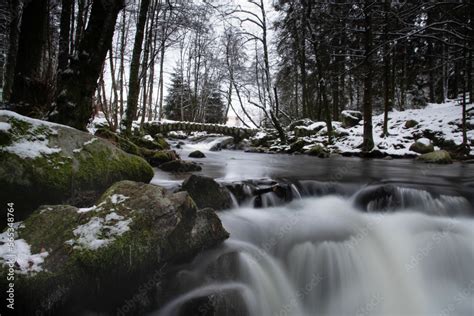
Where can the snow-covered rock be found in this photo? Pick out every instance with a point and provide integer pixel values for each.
(133, 230)
(43, 162)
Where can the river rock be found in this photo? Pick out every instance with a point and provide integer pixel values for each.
(422, 146)
(46, 163)
(296, 146)
(350, 118)
(438, 156)
(197, 154)
(180, 166)
(378, 198)
(113, 247)
(206, 192)
(162, 156)
(319, 151)
(222, 143)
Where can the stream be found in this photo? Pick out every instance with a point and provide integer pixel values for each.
(350, 250)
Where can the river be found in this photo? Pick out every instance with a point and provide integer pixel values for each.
(322, 254)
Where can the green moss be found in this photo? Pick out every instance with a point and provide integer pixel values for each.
(19, 127)
(5, 138)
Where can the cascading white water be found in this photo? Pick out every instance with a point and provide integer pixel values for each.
(321, 256)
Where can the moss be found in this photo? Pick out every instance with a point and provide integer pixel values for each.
(319, 151)
(19, 127)
(438, 156)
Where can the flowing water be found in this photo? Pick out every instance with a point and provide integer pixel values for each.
(342, 247)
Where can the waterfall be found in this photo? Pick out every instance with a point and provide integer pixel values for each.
(323, 256)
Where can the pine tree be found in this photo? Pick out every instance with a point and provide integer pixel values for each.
(179, 103)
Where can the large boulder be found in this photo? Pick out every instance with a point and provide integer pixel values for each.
(180, 166)
(422, 146)
(206, 192)
(46, 163)
(411, 124)
(350, 118)
(113, 247)
(438, 156)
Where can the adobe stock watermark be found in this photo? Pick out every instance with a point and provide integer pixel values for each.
(11, 255)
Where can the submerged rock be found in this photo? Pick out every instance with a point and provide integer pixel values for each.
(438, 156)
(113, 247)
(206, 192)
(48, 163)
(180, 166)
(197, 154)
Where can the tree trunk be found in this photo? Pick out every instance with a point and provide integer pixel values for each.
(28, 90)
(65, 29)
(14, 39)
(368, 142)
(79, 82)
(134, 80)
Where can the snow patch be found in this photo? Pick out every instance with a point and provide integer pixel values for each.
(31, 149)
(118, 198)
(5, 126)
(19, 256)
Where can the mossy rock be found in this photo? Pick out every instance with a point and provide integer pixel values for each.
(119, 141)
(49, 163)
(162, 156)
(104, 253)
(318, 151)
(411, 124)
(438, 156)
(153, 143)
(421, 147)
(206, 192)
(297, 146)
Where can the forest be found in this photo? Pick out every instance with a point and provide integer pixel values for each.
(321, 58)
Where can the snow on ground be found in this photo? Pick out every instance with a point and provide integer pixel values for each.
(444, 119)
(19, 256)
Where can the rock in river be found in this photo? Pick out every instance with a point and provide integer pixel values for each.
(105, 252)
(206, 192)
(197, 154)
(180, 166)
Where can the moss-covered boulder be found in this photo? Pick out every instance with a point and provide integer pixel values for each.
(438, 156)
(318, 151)
(47, 163)
(105, 252)
(422, 146)
(206, 192)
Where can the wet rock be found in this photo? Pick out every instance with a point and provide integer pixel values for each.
(197, 154)
(180, 166)
(113, 247)
(222, 143)
(48, 163)
(378, 198)
(206, 192)
(438, 156)
(162, 156)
